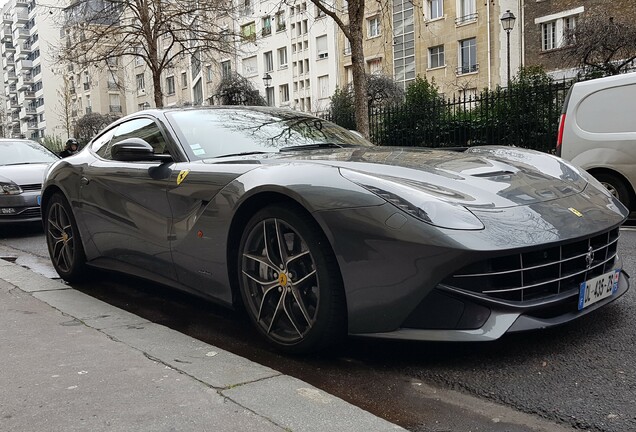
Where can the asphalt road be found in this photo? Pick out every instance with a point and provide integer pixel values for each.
(582, 375)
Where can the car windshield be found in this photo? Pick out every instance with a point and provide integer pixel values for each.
(211, 133)
(24, 152)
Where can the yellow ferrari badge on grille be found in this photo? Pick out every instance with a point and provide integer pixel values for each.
(182, 175)
(575, 211)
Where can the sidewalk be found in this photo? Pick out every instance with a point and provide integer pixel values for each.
(70, 362)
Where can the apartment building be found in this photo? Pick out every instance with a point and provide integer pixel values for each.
(30, 78)
(460, 44)
(295, 45)
(547, 21)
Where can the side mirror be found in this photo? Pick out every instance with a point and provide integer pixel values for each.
(136, 150)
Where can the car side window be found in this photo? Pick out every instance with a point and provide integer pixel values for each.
(145, 129)
(100, 145)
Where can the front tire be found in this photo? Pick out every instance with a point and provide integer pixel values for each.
(290, 282)
(63, 240)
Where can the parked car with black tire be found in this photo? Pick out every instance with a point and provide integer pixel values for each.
(597, 132)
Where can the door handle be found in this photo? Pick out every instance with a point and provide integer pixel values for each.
(84, 181)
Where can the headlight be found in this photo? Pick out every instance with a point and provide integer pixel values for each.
(416, 202)
(10, 189)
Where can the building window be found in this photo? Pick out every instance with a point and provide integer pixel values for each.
(246, 7)
(435, 8)
(266, 26)
(555, 28)
(248, 31)
(280, 21)
(141, 83)
(208, 73)
(403, 42)
(436, 57)
(284, 93)
(226, 68)
(348, 74)
(249, 67)
(347, 47)
(375, 66)
(548, 35)
(282, 58)
(184, 79)
(269, 96)
(170, 85)
(322, 47)
(268, 61)
(139, 60)
(466, 11)
(323, 86)
(373, 27)
(467, 56)
(554, 33)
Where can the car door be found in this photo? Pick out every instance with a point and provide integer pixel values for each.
(124, 204)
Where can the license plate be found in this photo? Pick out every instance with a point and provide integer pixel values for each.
(598, 288)
(39, 199)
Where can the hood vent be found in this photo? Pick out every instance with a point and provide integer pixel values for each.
(493, 174)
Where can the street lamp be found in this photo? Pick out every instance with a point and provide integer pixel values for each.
(508, 22)
(267, 80)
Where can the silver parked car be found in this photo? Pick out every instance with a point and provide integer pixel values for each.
(318, 233)
(22, 166)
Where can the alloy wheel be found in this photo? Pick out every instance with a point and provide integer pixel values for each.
(61, 237)
(280, 281)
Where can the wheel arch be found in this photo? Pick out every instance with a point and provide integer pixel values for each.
(608, 171)
(46, 195)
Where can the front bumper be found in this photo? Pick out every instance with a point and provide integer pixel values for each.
(502, 321)
(20, 208)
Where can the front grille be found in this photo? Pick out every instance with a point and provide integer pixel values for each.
(27, 213)
(542, 273)
(31, 187)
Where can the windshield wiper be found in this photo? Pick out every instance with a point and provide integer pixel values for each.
(241, 154)
(314, 146)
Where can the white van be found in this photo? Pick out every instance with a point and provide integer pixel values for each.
(597, 132)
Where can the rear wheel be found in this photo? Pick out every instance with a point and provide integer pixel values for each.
(290, 282)
(63, 240)
(616, 186)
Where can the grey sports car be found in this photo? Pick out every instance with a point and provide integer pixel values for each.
(22, 166)
(318, 234)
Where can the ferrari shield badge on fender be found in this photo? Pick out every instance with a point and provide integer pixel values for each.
(182, 175)
(576, 212)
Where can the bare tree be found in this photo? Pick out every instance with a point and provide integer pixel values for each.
(601, 44)
(158, 33)
(66, 105)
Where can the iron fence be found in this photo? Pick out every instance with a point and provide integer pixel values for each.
(524, 116)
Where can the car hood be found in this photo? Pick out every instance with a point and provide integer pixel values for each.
(27, 174)
(480, 177)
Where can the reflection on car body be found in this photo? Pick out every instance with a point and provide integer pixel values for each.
(320, 234)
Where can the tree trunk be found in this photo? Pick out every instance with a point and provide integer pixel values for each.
(356, 21)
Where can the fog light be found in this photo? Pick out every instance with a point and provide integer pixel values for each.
(7, 210)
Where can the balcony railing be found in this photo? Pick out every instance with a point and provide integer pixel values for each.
(113, 86)
(466, 18)
(114, 108)
(467, 69)
(87, 86)
(89, 110)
